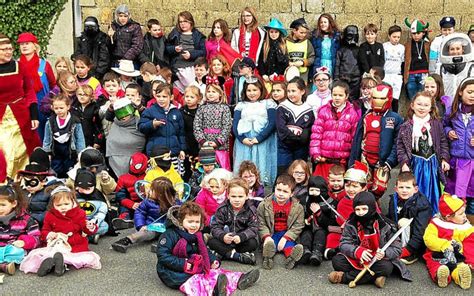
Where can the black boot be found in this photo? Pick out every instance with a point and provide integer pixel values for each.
(46, 267)
(220, 289)
(306, 256)
(316, 258)
(122, 245)
(59, 267)
(248, 279)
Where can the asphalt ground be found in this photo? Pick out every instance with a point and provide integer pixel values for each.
(135, 273)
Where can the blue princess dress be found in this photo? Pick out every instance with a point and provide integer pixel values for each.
(256, 120)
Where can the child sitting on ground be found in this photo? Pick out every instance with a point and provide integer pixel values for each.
(281, 222)
(336, 182)
(366, 232)
(234, 228)
(64, 231)
(405, 204)
(19, 230)
(161, 166)
(318, 216)
(161, 196)
(207, 164)
(125, 194)
(185, 263)
(355, 181)
(444, 237)
(249, 172)
(92, 201)
(299, 170)
(213, 193)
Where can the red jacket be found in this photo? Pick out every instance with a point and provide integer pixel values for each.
(73, 222)
(125, 191)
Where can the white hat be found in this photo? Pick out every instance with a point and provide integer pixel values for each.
(126, 68)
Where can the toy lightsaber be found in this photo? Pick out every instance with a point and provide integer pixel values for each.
(332, 209)
(353, 283)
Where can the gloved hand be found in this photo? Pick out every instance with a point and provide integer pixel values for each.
(194, 264)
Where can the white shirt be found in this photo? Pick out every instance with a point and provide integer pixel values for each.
(394, 57)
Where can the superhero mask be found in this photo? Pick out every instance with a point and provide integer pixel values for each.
(381, 98)
(138, 163)
(351, 35)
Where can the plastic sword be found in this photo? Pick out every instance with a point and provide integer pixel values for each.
(353, 283)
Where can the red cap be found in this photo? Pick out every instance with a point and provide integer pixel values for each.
(27, 37)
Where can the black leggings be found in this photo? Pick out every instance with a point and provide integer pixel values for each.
(380, 268)
(222, 248)
(314, 240)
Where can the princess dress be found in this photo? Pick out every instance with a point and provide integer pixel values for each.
(253, 121)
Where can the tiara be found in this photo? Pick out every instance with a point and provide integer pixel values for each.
(60, 188)
(251, 79)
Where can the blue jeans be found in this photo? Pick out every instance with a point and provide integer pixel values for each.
(415, 84)
(277, 236)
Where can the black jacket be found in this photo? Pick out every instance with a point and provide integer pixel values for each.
(90, 121)
(347, 64)
(321, 219)
(191, 142)
(154, 51)
(276, 62)
(95, 47)
(127, 41)
(417, 207)
(371, 55)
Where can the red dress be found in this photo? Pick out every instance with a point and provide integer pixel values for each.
(17, 95)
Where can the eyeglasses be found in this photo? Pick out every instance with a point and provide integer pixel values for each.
(182, 22)
(321, 80)
(6, 49)
(299, 174)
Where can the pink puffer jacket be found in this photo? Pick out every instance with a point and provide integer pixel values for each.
(208, 203)
(331, 138)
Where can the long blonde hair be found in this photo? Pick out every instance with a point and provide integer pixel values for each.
(216, 87)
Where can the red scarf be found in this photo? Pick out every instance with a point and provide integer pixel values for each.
(31, 68)
(254, 42)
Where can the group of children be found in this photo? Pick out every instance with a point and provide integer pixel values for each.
(255, 104)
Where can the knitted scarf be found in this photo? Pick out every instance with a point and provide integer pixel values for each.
(254, 41)
(420, 125)
(179, 249)
(31, 67)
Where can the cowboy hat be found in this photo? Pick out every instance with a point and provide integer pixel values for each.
(126, 68)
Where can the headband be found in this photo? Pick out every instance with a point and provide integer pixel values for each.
(61, 188)
(5, 39)
(429, 78)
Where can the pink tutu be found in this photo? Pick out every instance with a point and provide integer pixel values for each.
(202, 284)
(33, 260)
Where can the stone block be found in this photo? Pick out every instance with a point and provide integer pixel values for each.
(297, 6)
(275, 6)
(360, 20)
(357, 6)
(333, 6)
(87, 3)
(212, 5)
(181, 5)
(458, 7)
(314, 6)
(231, 17)
(239, 5)
(423, 8)
(393, 7)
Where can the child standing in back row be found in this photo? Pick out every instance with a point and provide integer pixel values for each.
(300, 50)
(371, 52)
(394, 59)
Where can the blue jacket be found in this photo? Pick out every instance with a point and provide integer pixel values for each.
(317, 45)
(391, 123)
(170, 134)
(417, 207)
(199, 41)
(461, 147)
(38, 205)
(170, 268)
(147, 212)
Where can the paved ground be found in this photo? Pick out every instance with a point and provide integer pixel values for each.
(135, 273)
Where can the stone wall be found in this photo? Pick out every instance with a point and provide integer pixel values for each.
(383, 13)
